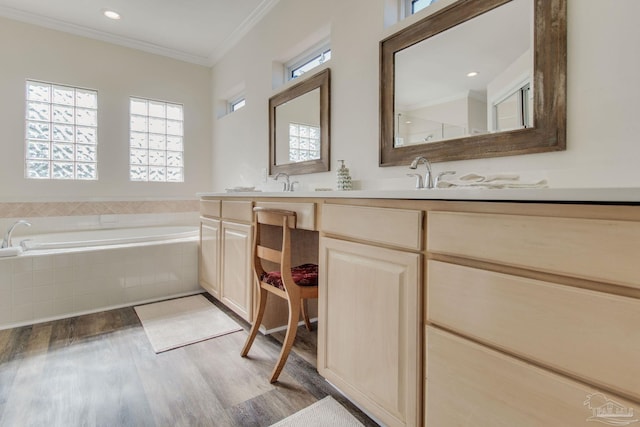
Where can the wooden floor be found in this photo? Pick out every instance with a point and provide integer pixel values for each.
(100, 370)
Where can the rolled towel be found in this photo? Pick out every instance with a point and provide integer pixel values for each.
(241, 190)
(497, 181)
(474, 177)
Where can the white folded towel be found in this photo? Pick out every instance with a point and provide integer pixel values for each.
(497, 181)
(241, 190)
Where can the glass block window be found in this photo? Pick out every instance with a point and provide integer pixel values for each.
(61, 132)
(304, 142)
(156, 146)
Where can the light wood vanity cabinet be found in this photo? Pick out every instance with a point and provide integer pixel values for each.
(225, 253)
(209, 256)
(236, 290)
(545, 312)
(444, 313)
(368, 334)
(226, 234)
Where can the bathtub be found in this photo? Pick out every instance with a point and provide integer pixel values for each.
(106, 237)
(62, 275)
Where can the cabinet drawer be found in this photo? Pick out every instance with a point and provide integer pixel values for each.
(469, 384)
(305, 212)
(396, 227)
(601, 250)
(210, 208)
(237, 210)
(589, 334)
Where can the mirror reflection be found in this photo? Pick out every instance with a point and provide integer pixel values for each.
(299, 127)
(475, 78)
(525, 110)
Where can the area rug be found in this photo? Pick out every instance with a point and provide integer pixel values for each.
(326, 412)
(183, 321)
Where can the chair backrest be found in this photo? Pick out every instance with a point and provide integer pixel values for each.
(284, 219)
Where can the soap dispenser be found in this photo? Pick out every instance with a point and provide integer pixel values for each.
(344, 179)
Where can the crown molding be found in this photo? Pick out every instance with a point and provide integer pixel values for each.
(258, 13)
(31, 18)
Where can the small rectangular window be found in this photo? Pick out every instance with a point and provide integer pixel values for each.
(156, 144)
(61, 134)
(308, 61)
(414, 6)
(237, 104)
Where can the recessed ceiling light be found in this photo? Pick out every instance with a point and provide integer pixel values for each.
(472, 74)
(111, 14)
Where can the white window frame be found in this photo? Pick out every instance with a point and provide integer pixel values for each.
(407, 7)
(167, 144)
(321, 50)
(236, 103)
(523, 107)
(77, 142)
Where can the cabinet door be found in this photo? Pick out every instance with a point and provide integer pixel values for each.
(368, 333)
(209, 271)
(236, 279)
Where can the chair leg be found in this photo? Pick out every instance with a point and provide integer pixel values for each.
(262, 303)
(292, 329)
(305, 314)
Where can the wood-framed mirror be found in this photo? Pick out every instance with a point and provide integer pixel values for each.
(453, 35)
(299, 122)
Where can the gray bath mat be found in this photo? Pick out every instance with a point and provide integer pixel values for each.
(326, 412)
(179, 322)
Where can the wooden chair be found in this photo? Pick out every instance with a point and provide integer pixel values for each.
(295, 284)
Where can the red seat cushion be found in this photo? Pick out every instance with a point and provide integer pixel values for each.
(303, 275)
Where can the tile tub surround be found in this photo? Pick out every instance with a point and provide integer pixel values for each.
(48, 209)
(52, 217)
(41, 287)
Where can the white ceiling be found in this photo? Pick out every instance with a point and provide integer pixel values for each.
(435, 70)
(197, 31)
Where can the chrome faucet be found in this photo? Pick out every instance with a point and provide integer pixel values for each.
(6, 243)
(287, 185)
(428, 179)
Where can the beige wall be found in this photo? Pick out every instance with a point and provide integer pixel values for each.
(31, 52)
(233, 150)
(602, 130)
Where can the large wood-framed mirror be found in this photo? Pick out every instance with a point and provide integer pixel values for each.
(430, 107)
(299, 127)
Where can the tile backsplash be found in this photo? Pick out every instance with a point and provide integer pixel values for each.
(45, 209)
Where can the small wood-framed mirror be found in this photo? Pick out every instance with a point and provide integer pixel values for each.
(454, 32)
(299, 127)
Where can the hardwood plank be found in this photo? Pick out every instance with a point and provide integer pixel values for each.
(100, 370)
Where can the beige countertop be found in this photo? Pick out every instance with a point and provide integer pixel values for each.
(602, 195)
